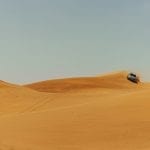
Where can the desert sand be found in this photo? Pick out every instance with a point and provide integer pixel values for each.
(90, 113)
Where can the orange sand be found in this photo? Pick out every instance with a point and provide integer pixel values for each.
(92, 113)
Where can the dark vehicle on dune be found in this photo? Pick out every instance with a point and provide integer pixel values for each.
(133, 78)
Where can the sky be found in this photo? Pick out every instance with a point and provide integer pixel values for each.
(47, 39)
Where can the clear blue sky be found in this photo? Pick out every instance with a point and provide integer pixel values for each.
(46, 39)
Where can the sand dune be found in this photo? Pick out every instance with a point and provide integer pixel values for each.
(111, 81)
(92, 113)
(17, 99)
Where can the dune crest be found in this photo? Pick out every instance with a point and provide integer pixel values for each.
(113, 80)
(4, 84)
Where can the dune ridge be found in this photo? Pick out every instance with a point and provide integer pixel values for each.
(114, 80)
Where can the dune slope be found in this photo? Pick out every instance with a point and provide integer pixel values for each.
(111, 116)
(17, 99)
(111, 81)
